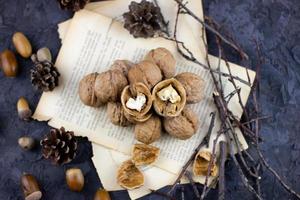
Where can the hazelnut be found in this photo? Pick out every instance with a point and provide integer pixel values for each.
(9, 63)
(26, 142)
(102, 194)
(24, 111)
(44, 54)
(169, 98)
(116, 114)
(145, 72)
(129, 176)
(183, 126)
(86, 91)
(148, 131)
(122, 65)
(22, 44)
(201, 164)
(75, 179)
(194, 86)
(30, 187)
(144, 154)
(109, 85)
(136, 100)
(164, 59)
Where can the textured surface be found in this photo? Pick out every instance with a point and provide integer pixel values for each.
(276, 23)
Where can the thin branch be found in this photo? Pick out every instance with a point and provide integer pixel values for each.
(223, 157)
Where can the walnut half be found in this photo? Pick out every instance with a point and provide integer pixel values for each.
(201, 164)
(129, 176)
(169, 98)
(144, 154)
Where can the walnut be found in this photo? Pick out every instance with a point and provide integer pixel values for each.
(201, 164)
(116, 114)
(129, 176)
(109, 85)
(193, 85)
(86, 91)
(169, 98)
(144, 154)
(148, 131)
(122, 65)
(164, 59)
(145, 72)
(183, 126)
(137, 119)
(136, 100)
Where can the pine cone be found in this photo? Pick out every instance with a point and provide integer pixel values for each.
(73, 5)
(59, 146)
(143, 19)
(44, 76)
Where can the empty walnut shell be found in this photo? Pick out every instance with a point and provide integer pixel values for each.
(145, 72)
(166, 108)
(194, 86)
(109, 85)
(132, 92)
(164, 59)
(129, 176)
(122, 65)
(201, 164)
(116, 114)
(183, 126)
(86, 91)
(148, 131)
(144, 154)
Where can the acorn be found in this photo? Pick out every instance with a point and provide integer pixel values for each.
(24, 111)
(22, 44)
(26, 143)
(75, 179)
(8, 63)
(30, 187)
(102, 194)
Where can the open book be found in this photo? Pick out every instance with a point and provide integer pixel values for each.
(88, 48)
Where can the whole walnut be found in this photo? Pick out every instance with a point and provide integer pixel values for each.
(201, 164)
(86, 91)
(164, 59)
(145, 72)
(183, 126)
(169, 98)
(148, 131)
(129, 176)
(116, 114)
(122, 65)
(144, 154)
(109, 85)
(194, 86)
(136, 100)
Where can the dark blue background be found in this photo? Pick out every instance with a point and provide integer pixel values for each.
(276, 23)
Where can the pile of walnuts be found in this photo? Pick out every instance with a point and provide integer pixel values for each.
(149, 95)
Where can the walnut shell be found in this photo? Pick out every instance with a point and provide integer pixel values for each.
(183, 126)
(144, 154)
(116, 114)
(194, 86)
(145, 72)
(109, 85)
(167, 108)
(132, 91)
(129, 176)
(201, 164)
(122, 65)
(137, 119)
(148, 131)
(86, 91)
(164, 59)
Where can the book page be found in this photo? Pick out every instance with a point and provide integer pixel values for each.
(88, 49)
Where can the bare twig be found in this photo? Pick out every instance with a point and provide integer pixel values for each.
(223, 157)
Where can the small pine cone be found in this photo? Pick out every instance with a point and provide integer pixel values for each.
(59, 146)
(73, 5)
(143, 19)
(44, 76)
